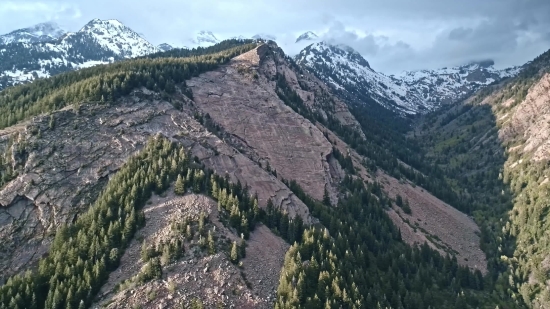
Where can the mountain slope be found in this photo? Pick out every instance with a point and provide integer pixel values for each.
(113, 36)
(98, 42)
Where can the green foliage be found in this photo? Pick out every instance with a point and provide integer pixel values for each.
(345, 161)
(504, 188)
(179, 187)
(356, 259)
(384, 147)
(234, 253)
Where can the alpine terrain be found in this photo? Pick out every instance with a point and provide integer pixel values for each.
(41, 51)
(234, 175)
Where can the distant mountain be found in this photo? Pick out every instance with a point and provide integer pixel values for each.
(347, 71)
(43, 32)
(204, 39)
(264, 36)
(239, 37)
(99, 41)
(410, 93)
(308, 36)
(113, 36)
(165, 47)
(447, 85)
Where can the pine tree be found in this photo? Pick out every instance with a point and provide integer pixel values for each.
(211, 244)
(244, 227)
(242, 249)
(326, 198)
(234, 255)
(179, 187)
(188, 232)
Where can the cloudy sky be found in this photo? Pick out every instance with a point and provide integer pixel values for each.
(393, 35)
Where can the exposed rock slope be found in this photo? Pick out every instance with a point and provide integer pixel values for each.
(197, 275)
(66, 163)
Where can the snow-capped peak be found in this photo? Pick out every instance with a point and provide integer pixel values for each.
(308, 36)
(165, 47)
(346, 70)
(447, 85)
(111, 34)
(264, 36)
(42, 32)
(411, 93)
(98, 42)
(204, 38)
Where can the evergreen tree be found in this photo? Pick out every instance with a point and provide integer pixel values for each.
(179, 187)
(211, 244)
(234, 254)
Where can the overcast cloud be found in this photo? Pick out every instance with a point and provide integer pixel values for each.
(393, 35)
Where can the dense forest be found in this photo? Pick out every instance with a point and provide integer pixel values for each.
(356, 259)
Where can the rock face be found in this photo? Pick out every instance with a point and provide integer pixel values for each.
(530, 121)
(246, 105)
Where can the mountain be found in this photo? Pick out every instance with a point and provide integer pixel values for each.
(43, 32)
(264, 36)
(231, 177)
(448, 85)
(346, 70)
(416, 92)
(204, 38)
(307, 36)
(98, 42)
(165, 47)
(239, 37)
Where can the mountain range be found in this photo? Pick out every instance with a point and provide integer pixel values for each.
(45, 50)
(235, 175)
